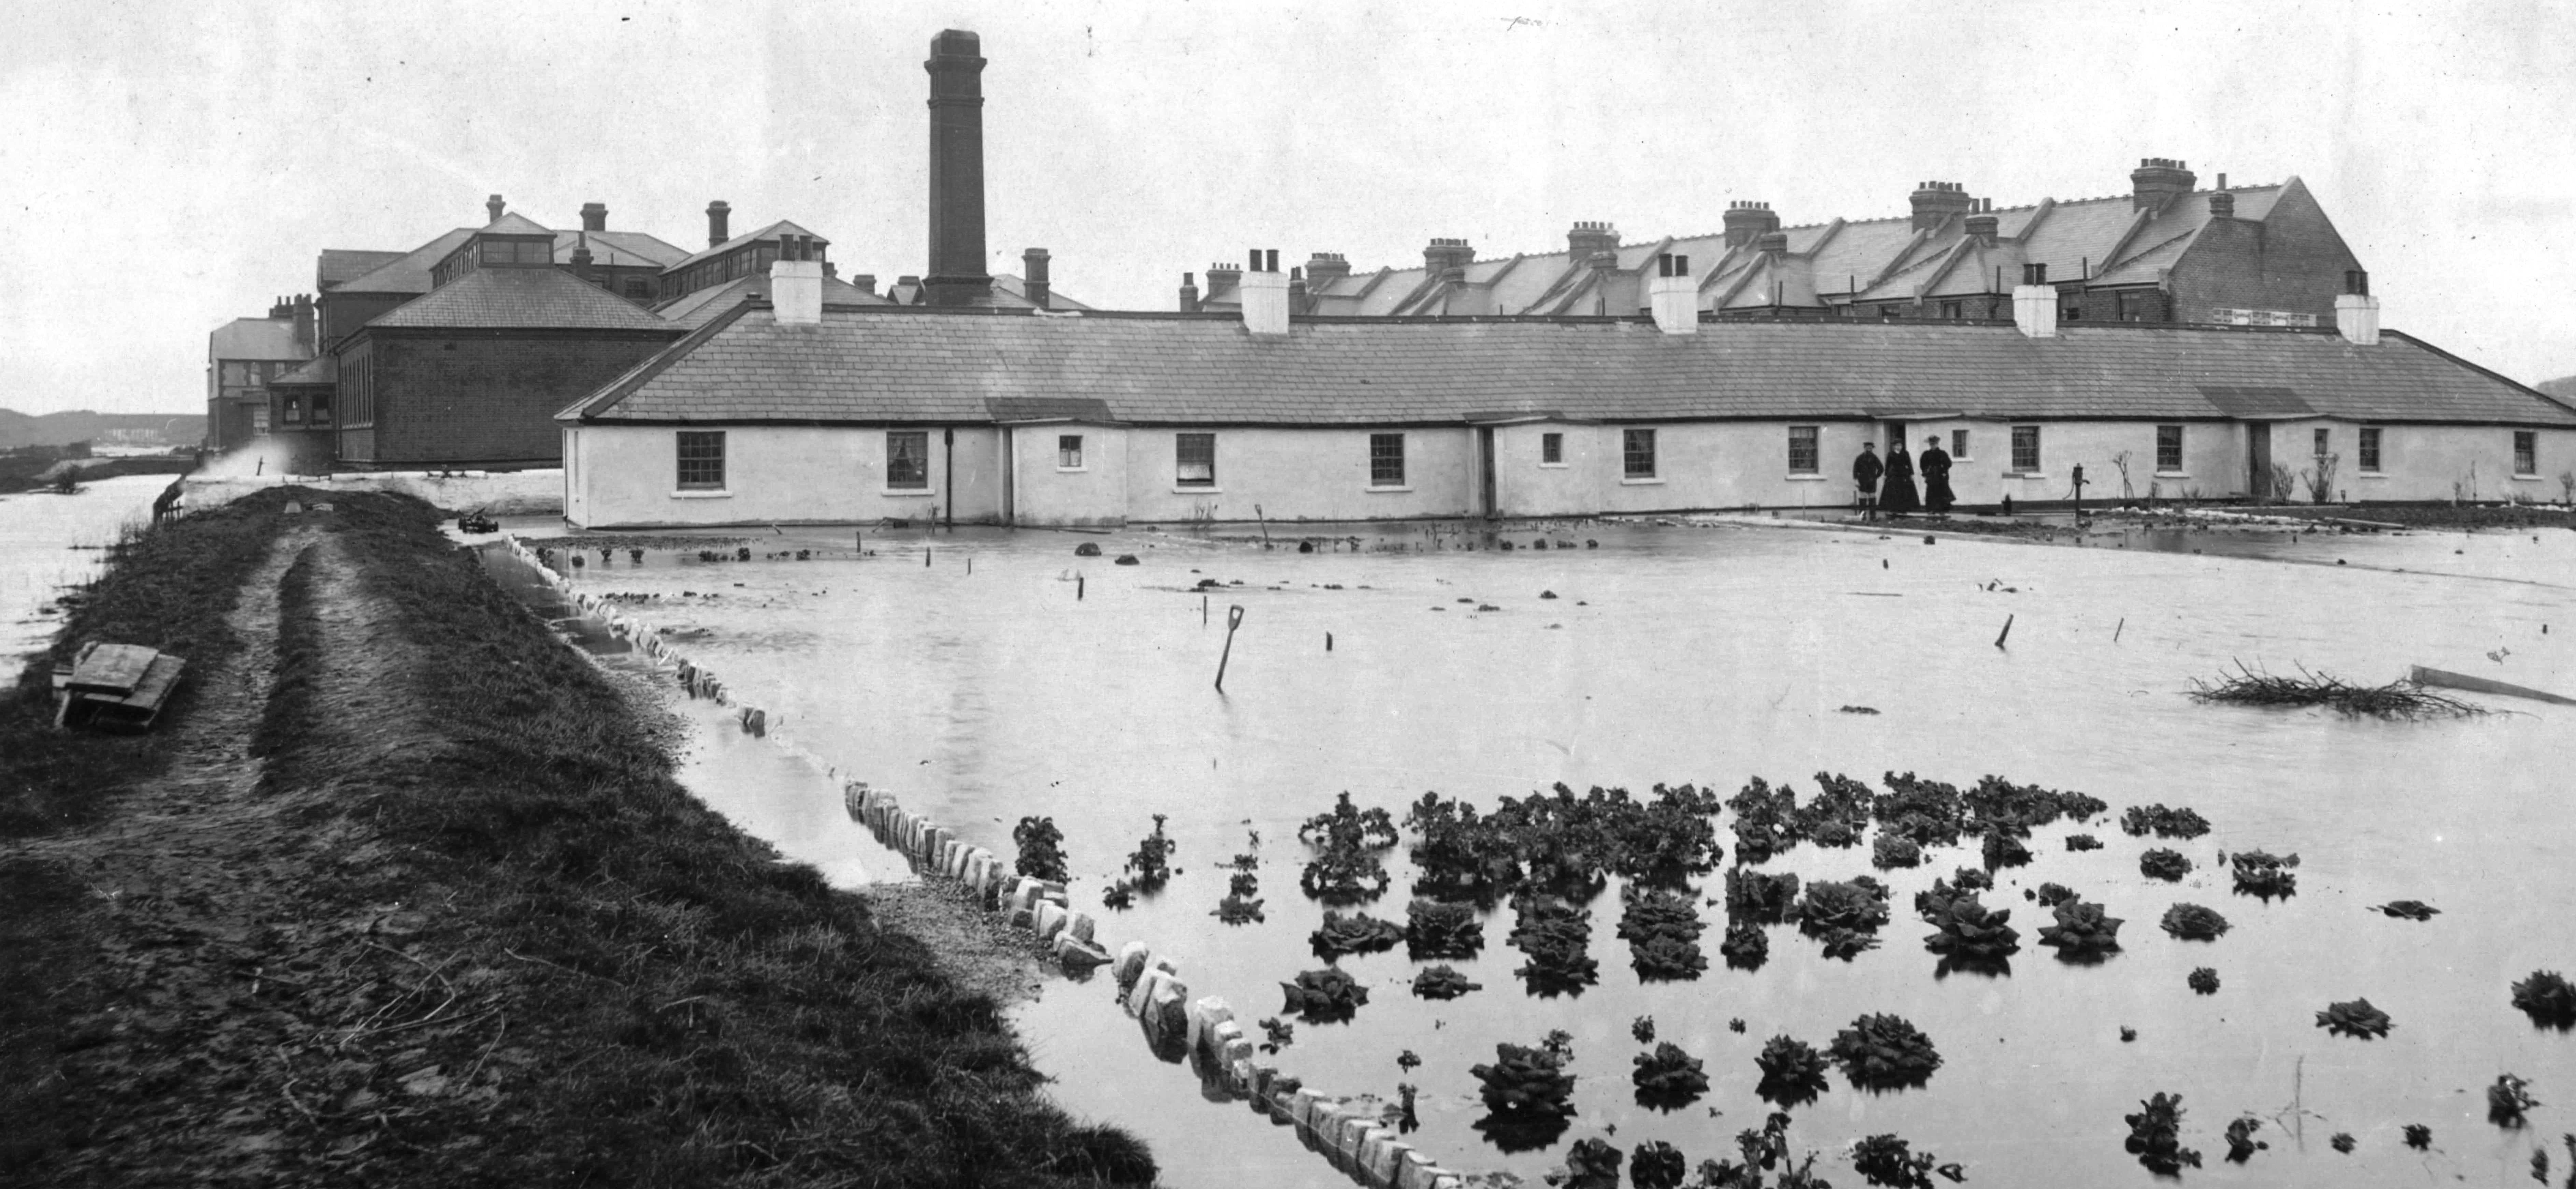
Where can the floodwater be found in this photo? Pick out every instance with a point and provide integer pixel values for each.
(1041, 683)
(49, 542)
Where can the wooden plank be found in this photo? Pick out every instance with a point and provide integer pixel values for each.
(2485, 685)
(157, 683)
(112, 668)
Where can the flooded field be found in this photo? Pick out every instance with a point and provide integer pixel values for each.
(49, 541)
(984, 676)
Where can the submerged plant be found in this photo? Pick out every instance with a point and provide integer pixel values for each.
(1041, 849)
(1745, 946)
(1656, 1165)
(1889, 851)
(1344, 877)
(1442, 982)
(1971, 932)
(2548, 998)
(2164, 863)
(2163, 822)
(2083, 932)
(2259, 873)
(1592, 1164)
(1662, 931)
(1151, 863)
(2354, 1017)
(2508, 1099)
(1758, 896)
(1885, 1052)
(1320, 996)
(1358, 933)
(2050, 895)
(2155, 1136)
(1859, 905)
(2343, 1142)
(1793, 1072)
(1437, 929)
(2241, 1144)
(1556, 937)
(2407, 910)
(1890, 1161)
(1668, 1078)
(1237, 909)
(1845, 944)
(2083, 842)
(1528, 1096)
(2203, 980)
(2192, 922)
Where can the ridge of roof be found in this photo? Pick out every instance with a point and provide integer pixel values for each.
(514, 223)
(769, 232)
(520, 299)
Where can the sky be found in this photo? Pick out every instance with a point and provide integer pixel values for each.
(166, 168)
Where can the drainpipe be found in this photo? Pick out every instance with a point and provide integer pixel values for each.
(948, 453)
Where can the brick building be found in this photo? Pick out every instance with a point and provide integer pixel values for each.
(2164, 252)
(242, 357)
(469, 374)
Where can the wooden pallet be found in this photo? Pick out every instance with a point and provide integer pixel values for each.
(114, 687)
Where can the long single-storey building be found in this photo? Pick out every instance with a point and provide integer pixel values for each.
(793, 411)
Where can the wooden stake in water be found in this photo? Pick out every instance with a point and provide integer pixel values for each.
(1999, 637)
(1077, 588)
(925, 557)
(2115, 632)
(1328, 641)
(1202, 610)
(1264, 522)
(1233, 620)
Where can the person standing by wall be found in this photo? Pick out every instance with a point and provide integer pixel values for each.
(1935, 465)
(1896, 494)
(1865, 472)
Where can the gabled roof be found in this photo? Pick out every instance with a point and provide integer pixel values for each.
(773, 231)
(345, 264)
(693, 310)
(256, 338)
(521, 298)
(515, 223)
(880, 366)
(409, 273)
(624, 248)
(321, 369)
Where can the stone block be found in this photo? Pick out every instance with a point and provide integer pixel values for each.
(1022, 918)
(1241, 1077)
(1239, 1048)
(1080, 926)
(1301, 1107)
(1157, 982)
(1050, 921)
(1413, 1171)
(1215, 1035)
(1166, 1013)
(1383, 1159)
(1079, 955)
(1131, 962)
(1206, 1014)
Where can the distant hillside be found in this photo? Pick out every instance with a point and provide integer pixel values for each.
(2563, 386)
(62, 429)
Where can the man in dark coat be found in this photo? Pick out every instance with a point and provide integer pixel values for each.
(1935, 465)
(1865, 473)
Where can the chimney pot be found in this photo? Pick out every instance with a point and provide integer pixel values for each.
(594, 216)
(1747, 221)
(1589, 237)
(495, 206)
(1982, 227)
(717, 213)
(1189, 293)
(1033, 266)
(865, 282)
(2156, 182)
(1936, 203)
(2222, 205)
(1263, 294)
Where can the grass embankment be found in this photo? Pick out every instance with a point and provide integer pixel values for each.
(465, 929)
(2459, 517)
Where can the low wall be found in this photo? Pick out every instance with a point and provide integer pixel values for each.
(499, 493)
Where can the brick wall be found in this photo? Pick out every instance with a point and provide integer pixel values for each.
(341, 314)
(490, 399)
(2292, 261)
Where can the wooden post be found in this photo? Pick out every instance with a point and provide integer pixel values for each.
(1233, 620)
(1999, 636)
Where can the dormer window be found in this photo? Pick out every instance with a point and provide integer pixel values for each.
(517, 251)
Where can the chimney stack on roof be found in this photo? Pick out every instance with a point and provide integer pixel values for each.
(581, 256)
(2035, 310)
(718, 212)
(495, 206)
(1981, 227)
(1672, 297)
(1772, 243)
(2157, 181)
(1936, 203)
(2356, 311)
(2222, 205)
(594, 216)
(1297, 300)
(1589, 237)
(1748, 221)
(796, 290)
(1189, 293)
(956, 67)
(1033, 277)
(1441, 255)
(1324, 268)
(1263, 292)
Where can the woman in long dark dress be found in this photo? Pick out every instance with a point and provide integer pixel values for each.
(1937, 496)
(1896, 490)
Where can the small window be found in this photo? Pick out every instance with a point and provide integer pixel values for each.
(1802, 450)
(2025, 449)
(1194, 460)
(2071, 312)
(322, 408)
(638, 289)
(1637, 453)
(1887, 311)
(908, 459)
(2133, 307)
(702, 461)
(2370, 449)
(1386, 460)
(1068, 452)
(294, 411)
(2324, 439)
(1551, 449)
(1959, 445)
(2169, 449)
(1950, 309)
(2526, 452)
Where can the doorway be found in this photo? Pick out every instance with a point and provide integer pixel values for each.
(2258, 461)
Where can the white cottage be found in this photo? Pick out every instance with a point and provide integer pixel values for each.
(789, 411)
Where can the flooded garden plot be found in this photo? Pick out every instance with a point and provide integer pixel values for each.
(1045, 684)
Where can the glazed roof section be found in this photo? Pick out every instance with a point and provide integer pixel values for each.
(868, 367)
(256, 338)
(521, 299)
(2103, 239)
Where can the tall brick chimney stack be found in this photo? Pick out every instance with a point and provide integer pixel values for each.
(1189, 293)
(594, 216)
(304, 320)
(1033, 277)
(2157, 181)
(1748, 221)
(1324, 268)
(495, 206)
(957, 276)
(1936, 203)
(1442, 255)
(1587, 237)
(719, 213)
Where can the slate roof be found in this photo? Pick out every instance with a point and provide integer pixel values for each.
(515, 223)
(346, 264)
(773, 231)
(321, 369)
(256, 338)
(409, 273)
(628, 248)
(694, 310)
(521, 298)
(864, 366)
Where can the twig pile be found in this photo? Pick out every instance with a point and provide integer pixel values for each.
(2395, 700)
